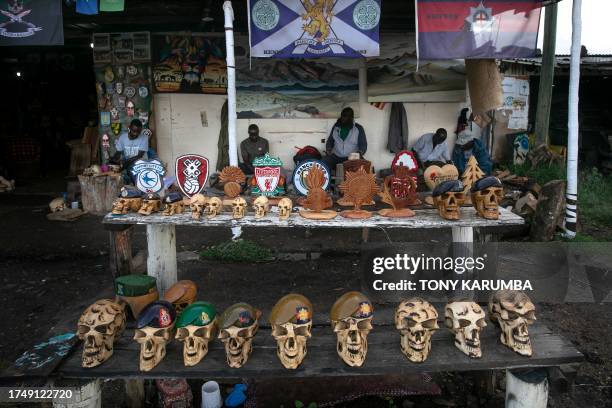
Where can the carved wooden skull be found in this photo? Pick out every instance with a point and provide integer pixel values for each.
(291, 321)
(124, 205)
(416, 319)
(514, 312)
(154, 329)
(215, 206)
(99, 326)
(465, 319)
(198, 204)
(351, 318)
(448, 197)
(174, 204)
(486, 194)
(239, 207)
(196, 327)
(57, 204)
(150, 204)
(285, 206)
(239, 324)
(261, 206)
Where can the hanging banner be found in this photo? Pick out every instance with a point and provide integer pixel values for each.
(31, 22)
(451, 29)
(87, 7)
(111, 5)
(314, 28)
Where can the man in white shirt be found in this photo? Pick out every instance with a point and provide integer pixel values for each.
(431, 148)
(131, 145)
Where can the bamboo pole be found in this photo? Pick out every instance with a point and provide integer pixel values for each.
(571, 196)
(228, 13)
(547, 75)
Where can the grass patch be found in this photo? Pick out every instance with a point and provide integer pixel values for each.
(237, 251)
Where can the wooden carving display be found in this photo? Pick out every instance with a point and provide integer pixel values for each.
(399, 191)
(317, 201)
(232, 178)
(353, 166)
(471, 175)
(434, 175)
(359, 187)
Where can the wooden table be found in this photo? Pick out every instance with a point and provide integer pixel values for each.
(161, 230)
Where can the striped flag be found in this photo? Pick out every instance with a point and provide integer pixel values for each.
(449, 29)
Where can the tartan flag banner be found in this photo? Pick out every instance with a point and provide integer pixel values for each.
(449, 29)
(314, 28)
(31, 22)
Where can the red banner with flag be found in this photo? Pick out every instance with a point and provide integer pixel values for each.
(450, 29)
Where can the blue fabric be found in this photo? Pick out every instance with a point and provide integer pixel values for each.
(460, 157)
(237, 397)
(88, 7)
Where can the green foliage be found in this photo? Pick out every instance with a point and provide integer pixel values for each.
(300, 404)
(595, 198)
(541, 174)
(237, 251)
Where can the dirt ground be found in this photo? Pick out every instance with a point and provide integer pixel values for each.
(46, 266)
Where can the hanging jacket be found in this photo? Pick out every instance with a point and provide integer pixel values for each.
(397, 139)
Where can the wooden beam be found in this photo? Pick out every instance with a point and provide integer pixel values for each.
(547, 75)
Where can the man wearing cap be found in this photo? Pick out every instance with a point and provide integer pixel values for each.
(251, 148)
(431, 148)
(346, 137)
(467, 145)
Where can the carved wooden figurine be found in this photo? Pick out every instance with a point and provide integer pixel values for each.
(233, 179)
(359, 187)
(399, 190)
(317, 199)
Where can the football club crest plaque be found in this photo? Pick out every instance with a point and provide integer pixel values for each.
(191, 173)
(406, 159)
(148, 175)
(268, 176)
(301, 171)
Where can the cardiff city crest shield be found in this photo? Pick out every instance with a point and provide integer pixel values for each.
(191, 173)
(268, 176)
(148, 175)
(300, 172)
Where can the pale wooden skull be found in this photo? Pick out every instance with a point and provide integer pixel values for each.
(195, 341)
(149, 206)
(449, 204)
(285, 206)
(153, 343)
(465, 319)
(57, 204)
(198, 205)
(486, 202)
(120, 206)
(215, 205)
(416, 319)
(174, 208)
(291, 341)
(99, 326)
(261, 206)
(352, 339)
(238, 342)
(239, 207)
(514, 312)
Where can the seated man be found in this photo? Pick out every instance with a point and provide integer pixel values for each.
(251, 148)
(467, 145)
(346, 137)
(431, 148)
(131, 146)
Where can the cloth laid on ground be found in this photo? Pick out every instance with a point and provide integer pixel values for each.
(398, 128)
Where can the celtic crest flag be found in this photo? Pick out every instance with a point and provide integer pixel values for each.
(314, 28)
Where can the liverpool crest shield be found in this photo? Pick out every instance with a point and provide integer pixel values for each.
(191, 173)
(268, 176)
(148, 175)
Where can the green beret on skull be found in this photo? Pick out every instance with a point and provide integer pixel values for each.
(197, 314)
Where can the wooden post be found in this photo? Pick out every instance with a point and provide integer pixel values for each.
(161, 261)
(120, 250)
(463, 234)
(365, 235)
(526, 388)
(547, 75)
(134, 393)
(463, 247)
(88, 395)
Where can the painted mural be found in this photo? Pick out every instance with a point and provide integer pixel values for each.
(189, 64)
(294, 88)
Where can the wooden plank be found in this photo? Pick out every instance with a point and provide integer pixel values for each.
(425, 218)
(120, 252)
(384, 357)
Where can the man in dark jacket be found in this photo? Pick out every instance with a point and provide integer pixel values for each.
(346, 137)
(467, 145)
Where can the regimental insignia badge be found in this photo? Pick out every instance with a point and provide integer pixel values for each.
(148, 175)
(191, 173)
(115, 127)
(301, 171)
(268, 176)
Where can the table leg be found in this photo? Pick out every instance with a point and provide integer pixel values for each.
(526, 388)
(121, 251)
(463, 234)
(161, 261)
(463, 247)
(134, 393)
(87, 395)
